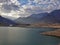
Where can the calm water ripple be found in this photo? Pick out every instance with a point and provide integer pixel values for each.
(26, 36)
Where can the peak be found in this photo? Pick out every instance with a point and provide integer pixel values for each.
(56, 11)
(0, 16)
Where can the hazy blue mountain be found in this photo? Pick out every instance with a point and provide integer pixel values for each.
(34, 18)
(6, 21)
(49, 19)
(56, 14)
(53, 17)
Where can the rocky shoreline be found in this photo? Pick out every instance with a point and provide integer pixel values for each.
(55, 33)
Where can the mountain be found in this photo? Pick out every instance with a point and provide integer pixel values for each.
(53, 17)
(56, 14)
(34, 18)
(4, 21)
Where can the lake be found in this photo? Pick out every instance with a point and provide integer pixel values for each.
(26, 36)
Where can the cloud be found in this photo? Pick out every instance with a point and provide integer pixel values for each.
(3, 1)
(21, 8)
(46, 5)
(9, 8)
(41, 6)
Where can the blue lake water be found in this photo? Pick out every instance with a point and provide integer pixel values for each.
(26, 36)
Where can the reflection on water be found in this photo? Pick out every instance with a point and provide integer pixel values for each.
(26, 36)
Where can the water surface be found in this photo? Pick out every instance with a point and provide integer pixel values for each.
(26, 36)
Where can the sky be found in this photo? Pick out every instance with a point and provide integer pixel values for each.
(14, 9)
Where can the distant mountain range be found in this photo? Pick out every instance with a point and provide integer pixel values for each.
(53, 17)
(7, 22)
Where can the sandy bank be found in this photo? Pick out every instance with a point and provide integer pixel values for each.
(52, 33)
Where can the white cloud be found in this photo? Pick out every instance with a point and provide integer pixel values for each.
(15, 9)
(9, 8)
(47, 5)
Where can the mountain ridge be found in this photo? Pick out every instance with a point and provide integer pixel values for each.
(5, 21)
(53, 17)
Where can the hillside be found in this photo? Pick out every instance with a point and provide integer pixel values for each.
(6, 22)
(53, 17)
(46, 25)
